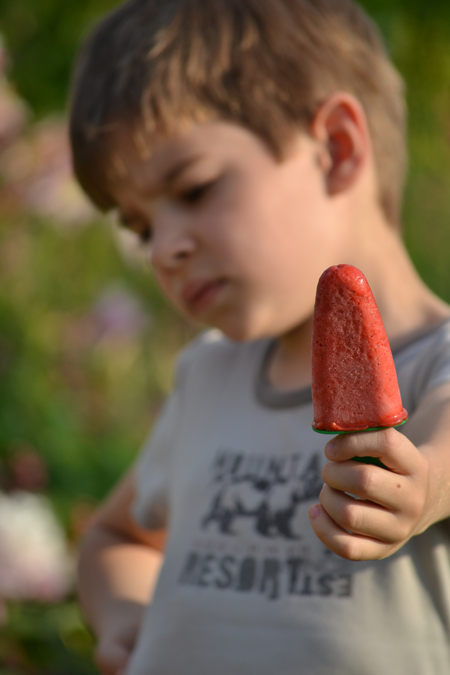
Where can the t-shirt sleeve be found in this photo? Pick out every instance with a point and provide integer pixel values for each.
(431, 367)
(440, 370)
(152, 469)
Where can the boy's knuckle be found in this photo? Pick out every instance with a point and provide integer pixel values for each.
(390, 439)
(327, 469)
(350, 442)
(368, 480)
(351, 549)
(417, 506)
(352, 518)
(401, 533)
(423, 469)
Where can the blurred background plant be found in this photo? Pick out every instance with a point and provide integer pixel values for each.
(86, 341)
(86, 350)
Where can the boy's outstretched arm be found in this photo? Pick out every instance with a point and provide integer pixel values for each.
(118, 567)
(400, 502)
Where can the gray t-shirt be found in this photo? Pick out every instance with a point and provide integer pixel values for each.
(246, 587)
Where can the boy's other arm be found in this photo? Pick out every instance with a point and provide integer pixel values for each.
(118, 567)
(395, 504)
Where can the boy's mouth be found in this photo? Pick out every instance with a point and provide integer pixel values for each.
(199, 295)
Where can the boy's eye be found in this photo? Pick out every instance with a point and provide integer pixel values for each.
(196, 193)
(141, 230)
(145, 234)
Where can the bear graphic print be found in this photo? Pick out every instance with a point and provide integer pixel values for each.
(254, 535)
(266, 491)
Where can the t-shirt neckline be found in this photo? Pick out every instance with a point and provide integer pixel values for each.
(268, 395)
(277, 399)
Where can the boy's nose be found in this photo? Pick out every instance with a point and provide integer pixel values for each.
(170, 249)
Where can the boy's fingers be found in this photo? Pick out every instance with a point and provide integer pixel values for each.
(349, 546)
(362, 517)
(372, 483)
(390, 446)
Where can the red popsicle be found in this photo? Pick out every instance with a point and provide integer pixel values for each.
(354, 383)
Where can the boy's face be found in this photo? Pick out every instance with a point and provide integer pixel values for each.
(237, 239)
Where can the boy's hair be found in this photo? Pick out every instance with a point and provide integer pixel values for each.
(265, 64)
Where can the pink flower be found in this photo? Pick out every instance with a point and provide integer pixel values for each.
(37, 170)
(119, 313)
(35, 162)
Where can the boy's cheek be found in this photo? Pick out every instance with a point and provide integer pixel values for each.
(164, 284)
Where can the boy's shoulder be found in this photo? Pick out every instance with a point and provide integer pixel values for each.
(423, 363)
(425, 343)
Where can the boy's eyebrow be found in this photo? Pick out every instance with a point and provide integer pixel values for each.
(172, 174)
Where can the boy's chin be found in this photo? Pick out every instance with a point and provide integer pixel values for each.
(241, 332)
(240, 326)
(250, 331)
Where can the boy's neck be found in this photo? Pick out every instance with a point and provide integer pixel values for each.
(407, 306)
(290, 365)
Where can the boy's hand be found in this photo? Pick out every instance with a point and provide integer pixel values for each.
(116, 643)
(395, 498)
(112, 656)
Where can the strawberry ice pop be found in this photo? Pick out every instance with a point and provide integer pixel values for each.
(354, 383)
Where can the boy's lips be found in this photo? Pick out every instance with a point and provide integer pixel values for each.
(198, 295)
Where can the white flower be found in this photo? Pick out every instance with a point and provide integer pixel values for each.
(34, 560)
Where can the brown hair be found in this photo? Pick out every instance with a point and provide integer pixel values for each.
(265, 64)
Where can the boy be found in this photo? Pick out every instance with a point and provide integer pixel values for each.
(251, 144)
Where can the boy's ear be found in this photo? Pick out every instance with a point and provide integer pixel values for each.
(341, 128)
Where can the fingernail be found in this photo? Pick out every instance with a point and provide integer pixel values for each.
(314, 512)
(331, 449)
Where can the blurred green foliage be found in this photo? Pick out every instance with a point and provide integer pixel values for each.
(50, 641)
(79, 393)
(418, 34)
(82, 395)
(42, 38)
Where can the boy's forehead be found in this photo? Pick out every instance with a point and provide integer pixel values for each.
(130, 147)
(157, 159)
(152, 162)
